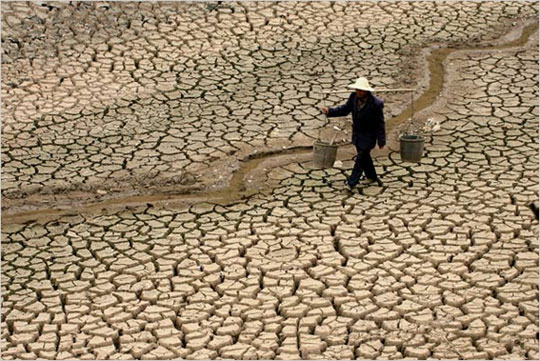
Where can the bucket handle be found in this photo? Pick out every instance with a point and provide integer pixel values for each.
(324, 106)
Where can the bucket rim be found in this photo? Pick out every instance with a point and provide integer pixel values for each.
(411, 137)
(324, 144)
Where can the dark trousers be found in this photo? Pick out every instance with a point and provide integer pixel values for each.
(363, 163)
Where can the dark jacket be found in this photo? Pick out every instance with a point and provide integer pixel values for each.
(368, 123)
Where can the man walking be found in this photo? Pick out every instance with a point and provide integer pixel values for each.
(368, 128)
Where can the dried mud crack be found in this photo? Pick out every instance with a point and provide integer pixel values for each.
(237, 187)
(282, 262)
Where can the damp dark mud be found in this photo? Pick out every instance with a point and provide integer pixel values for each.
(255, 165)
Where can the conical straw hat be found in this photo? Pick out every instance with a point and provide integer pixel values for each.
(362, 84)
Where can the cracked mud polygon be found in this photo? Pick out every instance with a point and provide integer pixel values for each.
(159, 200)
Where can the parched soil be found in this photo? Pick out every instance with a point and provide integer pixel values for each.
(159, 200)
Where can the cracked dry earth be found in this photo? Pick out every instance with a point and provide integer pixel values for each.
(441, 262)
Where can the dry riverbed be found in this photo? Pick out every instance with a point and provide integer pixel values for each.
(135, 225)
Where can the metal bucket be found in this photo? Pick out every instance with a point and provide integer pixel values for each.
(411, 148)
(324, 154)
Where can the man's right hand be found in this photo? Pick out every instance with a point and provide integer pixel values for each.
(325, 110)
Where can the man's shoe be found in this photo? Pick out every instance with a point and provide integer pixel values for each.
(351, 186)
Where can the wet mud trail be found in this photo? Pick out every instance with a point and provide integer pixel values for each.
(257, 165)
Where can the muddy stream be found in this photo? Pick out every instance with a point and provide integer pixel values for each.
(256, 166)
